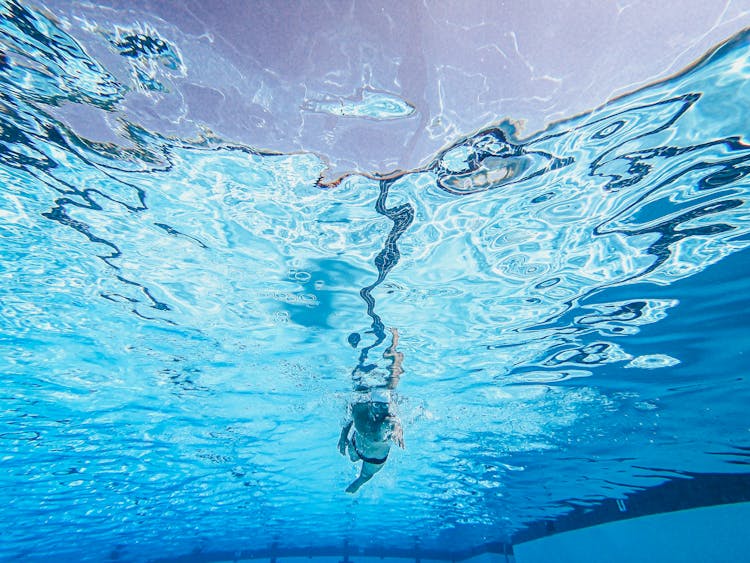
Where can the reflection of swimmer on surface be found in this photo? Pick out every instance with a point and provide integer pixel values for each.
(374, 418)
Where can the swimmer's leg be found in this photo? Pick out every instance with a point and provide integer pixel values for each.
(368, 470)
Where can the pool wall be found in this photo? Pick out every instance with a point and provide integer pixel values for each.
(716, 533)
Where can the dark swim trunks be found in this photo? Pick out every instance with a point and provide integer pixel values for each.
(373, 460)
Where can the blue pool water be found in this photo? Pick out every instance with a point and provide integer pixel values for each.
(187, 323)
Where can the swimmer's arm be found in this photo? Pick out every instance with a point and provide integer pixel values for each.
(394, 372)
(397, 432)
(344, 437)
(397, 357)
(390, 352)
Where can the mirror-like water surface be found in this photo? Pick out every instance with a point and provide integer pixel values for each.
(188, 324)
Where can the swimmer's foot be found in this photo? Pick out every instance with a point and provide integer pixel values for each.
(355, 485)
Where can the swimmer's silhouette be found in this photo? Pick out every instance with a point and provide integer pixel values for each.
(373, 422)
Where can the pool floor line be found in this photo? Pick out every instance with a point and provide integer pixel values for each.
(499, 552)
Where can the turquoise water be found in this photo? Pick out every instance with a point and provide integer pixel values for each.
(185, 322)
